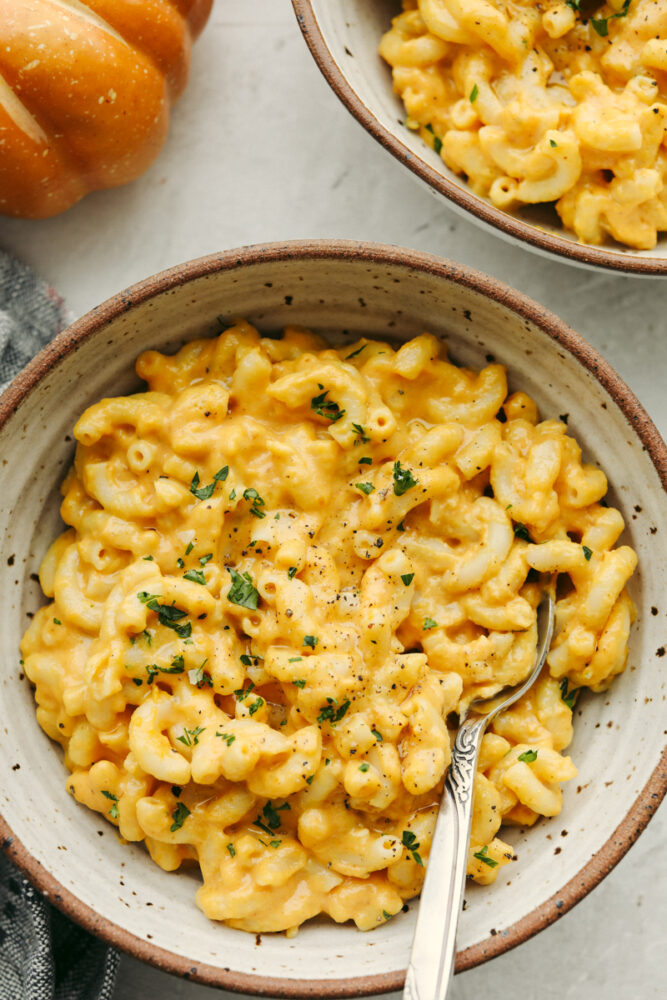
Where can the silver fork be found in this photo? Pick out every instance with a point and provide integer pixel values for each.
(434, 944)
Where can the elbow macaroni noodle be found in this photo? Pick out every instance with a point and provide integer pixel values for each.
(542, 102)
(286, 567)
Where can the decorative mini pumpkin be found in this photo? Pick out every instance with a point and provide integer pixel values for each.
(85, 94)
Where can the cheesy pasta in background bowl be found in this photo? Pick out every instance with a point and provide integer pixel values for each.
(546, 121)
(289, 560)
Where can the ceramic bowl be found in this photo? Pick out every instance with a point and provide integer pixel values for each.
(343, 38)
(346, 290)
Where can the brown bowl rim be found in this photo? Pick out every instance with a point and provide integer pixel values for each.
(540, 240)
(646, 803)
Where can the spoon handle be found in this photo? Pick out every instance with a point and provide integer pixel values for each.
(433, 948)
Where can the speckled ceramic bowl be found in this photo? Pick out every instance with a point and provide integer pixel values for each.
(74, 856)
(343, 37)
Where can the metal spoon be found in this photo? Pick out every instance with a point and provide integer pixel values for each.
(433, 947)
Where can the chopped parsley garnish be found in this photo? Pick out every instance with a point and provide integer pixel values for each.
(257, 704)
(411, 844)
(601, 24)
(387, 916)
(365, 487)
(291, 572)
(257, 501)
(204, 559)
(113, 812)
(57, 621)
(333, 712)
(587, 552)
(363, 436)
(180, 563)
(242, 693)
(295, 659)
(190, 737)
(483, 855)
(355, 353)
(377, 735)
(246, 660)
(310, 640)
(407, 578)
(176, 791)
(429, 623)
(227, 737)
(437, 141)
(275, 843)
(138, 681)
(403, 480)
(528, 756)
(231, 849)
(300, 684)
(271, 816)
(179, 816)
(326, 407)
(474, 94)
(552, 143)
(242, 591)
(400, 526)
(177, 667)
(206, 492)
(199, 678)
(232, 495)
(190, 546)
(366, 460)
(521, 531)
(148, 558)
(364, 767)
(569, 697)
(168, 614)
(195, 576)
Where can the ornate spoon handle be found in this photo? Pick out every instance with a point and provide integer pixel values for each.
(433, 948)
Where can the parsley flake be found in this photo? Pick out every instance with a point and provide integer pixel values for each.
(310, 640)
(587, 553)
(204, 559)
(411, 844)
(377, 735)
(324, 407)
(291, 572)
(195, 576)
(332, 711)
(256, 705)
(357, 352)
(521, 531)
(429, 623)
(601, 24)
(407, 578)
(300, 684)
(403, 480)
(483, 855)
(231, 849)
(243, 591)
(528, 756)
(474, 94)
(206, 492)
(227, 737)
(179, 816)
(569, 697)
(168, 614)
(190, 737)
(363, 436)
(364, 767)
(365, 487)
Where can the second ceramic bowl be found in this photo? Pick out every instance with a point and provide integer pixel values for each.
(343, 38)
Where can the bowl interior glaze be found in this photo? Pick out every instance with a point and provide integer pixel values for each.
(117, 891)
(343, 38)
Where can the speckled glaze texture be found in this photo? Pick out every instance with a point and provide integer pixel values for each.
(343, 289)
(343, 38)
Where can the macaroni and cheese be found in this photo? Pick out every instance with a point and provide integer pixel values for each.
(287, 567)
(559, 101)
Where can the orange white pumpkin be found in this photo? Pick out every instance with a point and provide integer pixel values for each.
(85, 94)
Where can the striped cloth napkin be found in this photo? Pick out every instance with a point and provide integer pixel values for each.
(43, 955)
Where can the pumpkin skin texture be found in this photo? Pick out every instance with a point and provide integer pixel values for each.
(85, 94)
